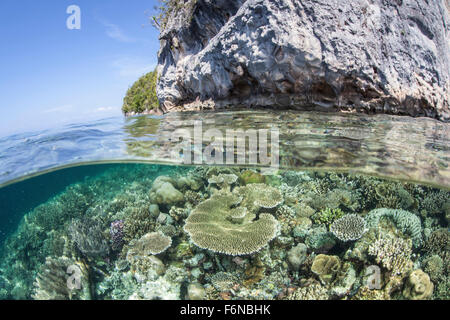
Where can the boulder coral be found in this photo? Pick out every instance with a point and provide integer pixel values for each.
(163, 192)
(418, 286)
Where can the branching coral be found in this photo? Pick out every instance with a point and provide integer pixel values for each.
(393, 253)
(217, 225)
(349, 228)
(313, 291)
(327, 216)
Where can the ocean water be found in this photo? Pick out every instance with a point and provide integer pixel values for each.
(344, 206)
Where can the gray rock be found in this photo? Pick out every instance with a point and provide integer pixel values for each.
(368, 56)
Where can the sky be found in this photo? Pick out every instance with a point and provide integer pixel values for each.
(52, 75)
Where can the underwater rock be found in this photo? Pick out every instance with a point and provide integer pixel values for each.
(214, 225)
(350, 227)
(163, 192)
(418, 286)
(297, 255)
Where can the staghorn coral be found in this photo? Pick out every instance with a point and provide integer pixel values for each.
(349, 228)
(52, 281)
(327, 216)
(439, 243)
(435, 202)
(326, 267)
(418, 286)
(215, 225)
(88, 235)
(393, 253)
(406, 221)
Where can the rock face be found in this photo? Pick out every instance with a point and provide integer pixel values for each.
(374, 56)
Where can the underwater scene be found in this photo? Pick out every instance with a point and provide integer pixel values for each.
(354, 207)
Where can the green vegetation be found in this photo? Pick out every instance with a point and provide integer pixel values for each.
(166, 8)
(142, 94)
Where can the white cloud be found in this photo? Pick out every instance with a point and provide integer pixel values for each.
(132, 67)
(115, 32)
(64, 108)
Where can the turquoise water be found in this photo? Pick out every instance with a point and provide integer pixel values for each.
(109, 200)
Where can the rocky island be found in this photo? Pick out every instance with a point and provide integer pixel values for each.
(365, 56)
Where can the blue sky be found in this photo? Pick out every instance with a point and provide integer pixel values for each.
(50, 75)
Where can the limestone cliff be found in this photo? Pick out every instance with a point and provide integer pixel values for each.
(375, 56)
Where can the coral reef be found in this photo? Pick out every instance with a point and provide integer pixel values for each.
(299, 235)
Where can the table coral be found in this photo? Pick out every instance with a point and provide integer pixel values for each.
(213, 225)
